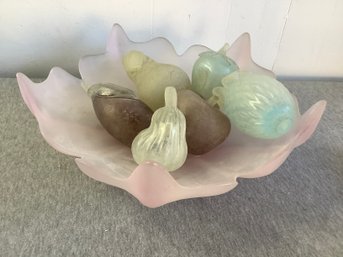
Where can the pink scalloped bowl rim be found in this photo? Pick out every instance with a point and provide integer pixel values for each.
(68, 123)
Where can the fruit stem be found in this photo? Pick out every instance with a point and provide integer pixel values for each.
(224, 49)
(170, 97)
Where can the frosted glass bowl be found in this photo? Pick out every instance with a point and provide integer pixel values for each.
(68, 123)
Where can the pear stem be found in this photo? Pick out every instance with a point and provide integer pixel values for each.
(170, 97)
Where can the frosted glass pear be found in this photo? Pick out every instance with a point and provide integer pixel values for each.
(165, 140)
(152, 78)
(258, 105)
(209, 69)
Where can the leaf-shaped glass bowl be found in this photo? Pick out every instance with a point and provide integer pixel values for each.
(68, 123)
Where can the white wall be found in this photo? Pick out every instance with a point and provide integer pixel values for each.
(312, 42)
(294, 37)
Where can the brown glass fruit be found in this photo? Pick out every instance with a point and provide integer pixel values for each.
(121, 114)
(206, 126)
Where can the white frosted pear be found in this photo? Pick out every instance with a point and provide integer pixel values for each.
(164, 141)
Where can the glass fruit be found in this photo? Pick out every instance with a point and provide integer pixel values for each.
(152, 78)
(165, 140)
(206, 127)
(119, 111)
(256, 104)
(209, 69)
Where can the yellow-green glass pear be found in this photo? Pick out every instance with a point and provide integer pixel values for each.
(164, 141)
(152, 78)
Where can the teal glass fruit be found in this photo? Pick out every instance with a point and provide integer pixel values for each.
(256, 104)
(209, 69)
